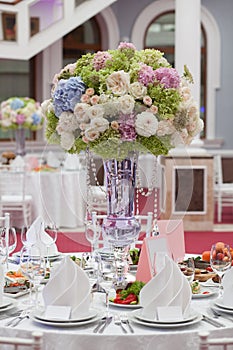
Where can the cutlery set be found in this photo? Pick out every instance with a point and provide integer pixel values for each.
(118, 321)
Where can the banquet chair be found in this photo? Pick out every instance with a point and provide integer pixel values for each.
(5, 220)
(12, 195)
(205, 343)
(223, 191)
(34, 342)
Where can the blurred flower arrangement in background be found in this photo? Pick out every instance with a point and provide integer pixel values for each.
(119, 100)
(21, 112)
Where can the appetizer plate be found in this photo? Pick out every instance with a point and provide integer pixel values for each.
(125, 306)
(9, 307)
(15, 292)
(5, 303)
(219, 303)
(220, 309)
(205, 293)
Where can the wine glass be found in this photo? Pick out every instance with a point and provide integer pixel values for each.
(106, 281)
(9, 239)
(92, 233)
(24, 237)
(49, 238)
(187, 267)
(32, 264)
(220, 261)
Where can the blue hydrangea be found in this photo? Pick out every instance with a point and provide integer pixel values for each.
(36, 119)
(67, 94)
(16, 104)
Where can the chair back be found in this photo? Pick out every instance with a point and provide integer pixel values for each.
(12, 183)
(5, 221)
(34, 342)
(205, 343)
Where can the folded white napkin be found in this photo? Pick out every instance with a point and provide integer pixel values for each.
(168, 287)
(72, 162)
(18, 162)
(227, 284)
(52, 160)
(68, 286)
(37, 235)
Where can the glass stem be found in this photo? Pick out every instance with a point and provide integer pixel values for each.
(220, 286)
(47, 260)
(107, 302)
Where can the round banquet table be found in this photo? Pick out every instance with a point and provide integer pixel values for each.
(83, 338)
(58, 196)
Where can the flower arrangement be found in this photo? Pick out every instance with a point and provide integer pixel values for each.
(119, 100)
(21, 112)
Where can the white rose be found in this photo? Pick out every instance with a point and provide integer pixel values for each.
(118, 83)
(165, 127)
(138, 90)
(146, 124)
(67, 122)
(91, 134)
(126, 104)
(80, 112)
(67, 140)
(100, 124)
(95, 111)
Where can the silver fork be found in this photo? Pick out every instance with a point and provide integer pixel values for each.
(217, 314)
(124, 319)
(118, 322)
(16, 320)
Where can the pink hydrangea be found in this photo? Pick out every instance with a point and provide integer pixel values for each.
(146, 75)
(100, 59)
(168, 77)
(127, 127)
(20, 118)
(124, 45)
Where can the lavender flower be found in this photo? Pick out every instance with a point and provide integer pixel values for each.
(168, 77)
(67, 94)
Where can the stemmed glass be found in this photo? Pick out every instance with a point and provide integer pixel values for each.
(24, 237)
(9, 239)
(106, 281)
(49, 238)
(92, 233)
(32, 264)
(187, 267)
(220, 261)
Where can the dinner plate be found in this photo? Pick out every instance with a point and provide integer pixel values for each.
(10, 306)
(51, 257)
(90, 315)
(5, 303)
(64, 323)
(220, 309)
(125, 306)
(219, 303)
(166, 325)
(202, 293)
(138, 314)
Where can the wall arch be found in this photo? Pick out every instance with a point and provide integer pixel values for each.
(213, 50)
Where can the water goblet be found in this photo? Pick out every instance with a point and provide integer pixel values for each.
(220, 261)
(49, 239)
(24, 237)
(187, 267)
(9, 237)
(106, 282)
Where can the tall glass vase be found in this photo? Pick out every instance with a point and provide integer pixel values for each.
(20, 142)
(120, 228)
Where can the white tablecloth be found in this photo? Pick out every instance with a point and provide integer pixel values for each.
(83, 338)
(58, 196)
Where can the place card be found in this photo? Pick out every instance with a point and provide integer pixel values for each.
(57, 312)
(169, 313)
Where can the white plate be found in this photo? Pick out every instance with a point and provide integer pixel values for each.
(204, 289)
(9, 307)
(167, 325)
(219, 303)
(65, 324)
(220, 309)
(90, 315)
(125, 306)
(5, 303)
(137, 314)
(19, 294)
(51, 257)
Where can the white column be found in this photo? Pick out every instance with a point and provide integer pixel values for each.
(188, 40)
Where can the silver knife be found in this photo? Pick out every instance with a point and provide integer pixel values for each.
(212, 322)
(107, 322)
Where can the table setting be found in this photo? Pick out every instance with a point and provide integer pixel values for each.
(69, 314)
